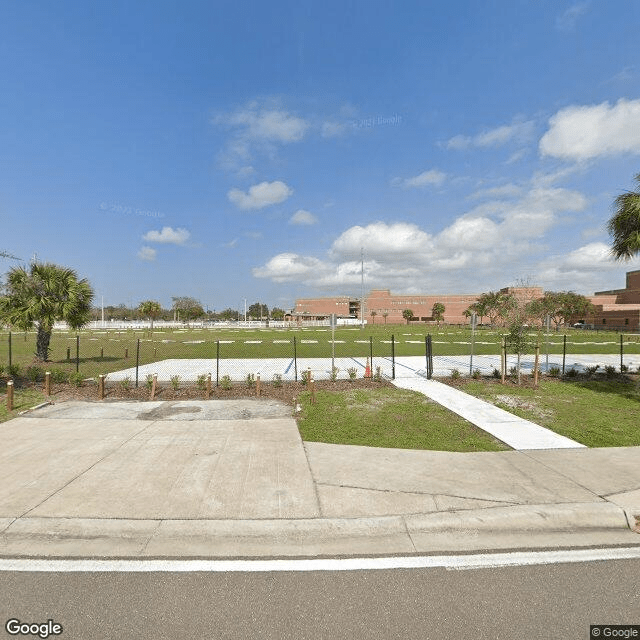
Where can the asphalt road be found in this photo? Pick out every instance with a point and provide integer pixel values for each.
(557, 601)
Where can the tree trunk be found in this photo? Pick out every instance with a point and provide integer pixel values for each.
(42, 343)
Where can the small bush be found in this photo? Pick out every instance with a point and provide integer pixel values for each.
(377, 376)
(76, 379)
(496, 373)
(624, 368)
(455, 374)
(554, 372)
(610, 370)
(571, 373)
(251, 380)
(149, 381)
(201, 381)
(59, 376)
(513, 371)
(175, 382)
(591, 370)
(334, 373)
(125, 383)
(13, 370)
(353, 372)
(476, 374)
(225, 382)
(277, 380)
(305, 376)
(34, 373)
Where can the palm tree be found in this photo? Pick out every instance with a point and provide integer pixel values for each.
(151, 309)
(624, 225)
(385, 315)
(373, 315)
(407, 314)
(437, 313)
(42, 295)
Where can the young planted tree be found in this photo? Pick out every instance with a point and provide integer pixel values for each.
(407, 314)
(624, 225)
(40, 296)
(150, 309)
(373, 315)
(385, 315)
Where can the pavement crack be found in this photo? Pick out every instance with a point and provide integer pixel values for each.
(91, 466)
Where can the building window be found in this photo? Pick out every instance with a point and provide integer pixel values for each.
(604, 321)
(626, 320)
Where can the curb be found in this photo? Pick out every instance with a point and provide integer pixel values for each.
(517, 527)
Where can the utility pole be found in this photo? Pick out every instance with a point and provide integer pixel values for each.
(362, 287)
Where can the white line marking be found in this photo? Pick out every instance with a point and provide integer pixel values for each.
(462, 562)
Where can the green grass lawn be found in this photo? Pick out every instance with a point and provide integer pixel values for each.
(597, 413)
(388, 417)
(23, 399)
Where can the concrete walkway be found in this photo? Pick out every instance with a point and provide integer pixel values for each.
(517, 432)
(227, 479)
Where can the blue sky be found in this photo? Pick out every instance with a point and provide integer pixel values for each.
(235, 150)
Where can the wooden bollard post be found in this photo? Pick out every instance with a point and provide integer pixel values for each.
(535, 371)
(10, 395)
(258, 384)
(313, 392)
(68, 354)
(47, 383)
(101, 353)
(309, 378)
(101, 387)
(208, 386)
(126, 352)
(153, 386)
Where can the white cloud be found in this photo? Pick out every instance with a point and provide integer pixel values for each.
(479, 248)
(566, 21)
(593, 257)
(302, 217)
(503, 191)
(260, 122)
(260, 195)
(580, 133)
(167, 235)
(517, 132)
(147, 253)
(332, 129)
(426, 178)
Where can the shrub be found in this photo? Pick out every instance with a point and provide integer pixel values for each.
(591, 370)
(334, 373)
(496, 373)
(125, 383)
(377, 376)
(554, 372)
(624, 368)
(305, 376)
(201, 381)
(513, 371)
(175, 382)
(13, 370)
(353, 372)
(149, 381)
(476, 374)
(59, 376)
(610, 370)
(571, 373)
(277, 380)
(225, 382)
(455, 374)
(34, 373)
(251, 380)
(1, 369)
(76, 379)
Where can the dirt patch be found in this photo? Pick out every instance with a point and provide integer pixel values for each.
(514, 402)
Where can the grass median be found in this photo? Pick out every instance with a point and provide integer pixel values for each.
(598, 412)
(23, 399)
(388, 417)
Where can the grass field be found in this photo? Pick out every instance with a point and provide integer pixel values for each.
(599, 412)
(103, 351)
(395, 418)
(23, 399)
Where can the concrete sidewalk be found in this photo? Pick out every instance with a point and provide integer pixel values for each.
(222, 479)
(517, 432)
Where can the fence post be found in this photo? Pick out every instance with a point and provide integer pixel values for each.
(47, 383)
(208, 386)
(258, 384)
(77, 353)
(503, 359)
(10, 395)
(101, 386)
(295, 360)
(535, 367)
(371, 351)
(564, 351)
(621, 351)
(137, 360)
(154, 382)
(217, 362)
(393, 358)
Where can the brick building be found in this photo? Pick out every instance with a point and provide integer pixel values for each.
(618, 308)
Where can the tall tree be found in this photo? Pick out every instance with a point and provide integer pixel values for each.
(373, 315)
(624, 224)
(437, 312)
(150, 309)
(185, 307)
(42, 295)
(258, 311)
